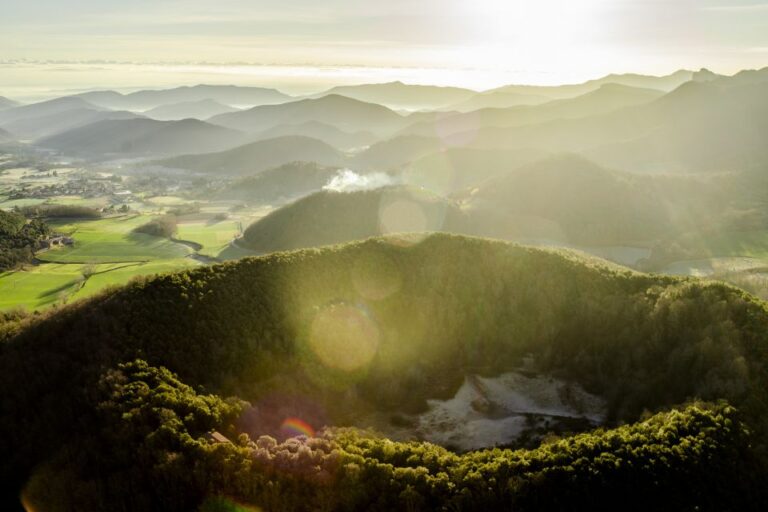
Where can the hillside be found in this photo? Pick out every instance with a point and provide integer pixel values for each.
(450, 170)
(344, 113)
(397, 95)
(149, 99)
(286, 182)
(572, 200)
(6, 103)
(330, 217)
(6, 136)
(698, 127)
(43, 108)
(201, 109)
(102, 427)
(499, 99)
(35, 127)
(662, 83)
(564, 199)
(605, 99)
(142, 137)
(706, 127)
(329, 134)
(393, 153)
(259, 156)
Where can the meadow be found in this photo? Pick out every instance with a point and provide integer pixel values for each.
(108, 252)
(111, 240)
(212, 236)
(48, 284)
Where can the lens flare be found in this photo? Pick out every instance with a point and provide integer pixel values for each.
(402, 216)
(295, 427)
(411, 211)
(342, 336)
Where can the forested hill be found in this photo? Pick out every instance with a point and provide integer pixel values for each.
(331, 217)
(413, 314)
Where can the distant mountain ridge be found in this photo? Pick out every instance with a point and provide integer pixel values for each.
(259, 156)
(286, 182)
(321, 131)
(44, 108)
(143, 137)
(397, 95)
(606, 98)
(6, 103)
(199, 109)
(700, 126)
(664, 83)
(344, 113)
(51, 124)
(148, 99)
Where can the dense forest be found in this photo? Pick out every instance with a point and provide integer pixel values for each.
(61, 210)
(288, 181)
(331, 217)
(115, 394)
(19, 239)
(154, 427)
(164, 226)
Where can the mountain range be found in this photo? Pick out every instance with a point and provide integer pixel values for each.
(344, 113)
(142, 137)
(258, 156)
(199, 109)
(231, 95)
(400, 96)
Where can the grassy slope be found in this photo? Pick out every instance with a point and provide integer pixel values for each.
(50, 283)
(40, 287)
(111, 240)
(214, 237)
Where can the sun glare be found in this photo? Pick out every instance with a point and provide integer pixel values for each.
(535, 35)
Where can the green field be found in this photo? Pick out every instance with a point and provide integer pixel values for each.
(118, 274)
(51, 283)
(111, 240)
(214, 237)
(39, 287)
(10, 204)
(94, 202)
(110, 253)
(166, 200)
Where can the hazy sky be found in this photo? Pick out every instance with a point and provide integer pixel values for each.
(305, 44)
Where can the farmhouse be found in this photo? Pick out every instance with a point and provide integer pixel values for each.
(56, 241)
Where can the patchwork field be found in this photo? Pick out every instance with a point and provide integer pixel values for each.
(213, 236)
(50, 283)
(108, 252)
(112, 240)
(93, 202)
